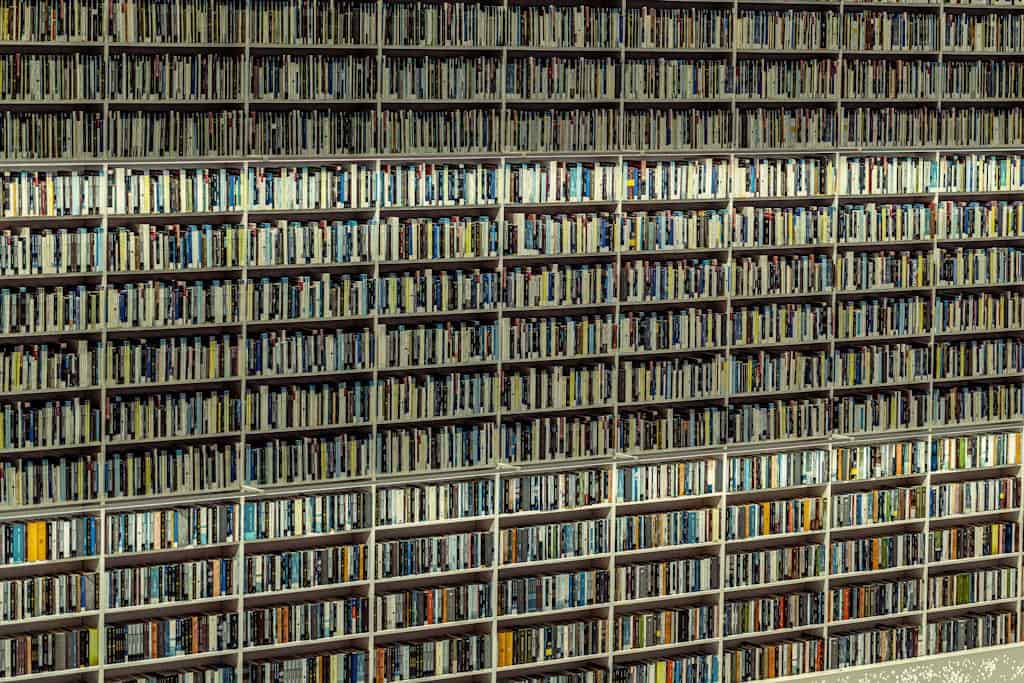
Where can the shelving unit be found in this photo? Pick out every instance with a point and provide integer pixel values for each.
(826, 116)
(733, 395)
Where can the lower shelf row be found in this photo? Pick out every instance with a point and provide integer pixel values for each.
(529, 654)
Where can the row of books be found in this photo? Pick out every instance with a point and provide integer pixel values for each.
(171, 637)
(471, 652)
(404, 661)
(158, 77)
(987, 585)
(144, 248)
(162, 583)
(305, 621)
(425, 606)
(42, 596)
(755, 615)
(772, 660)
(144, 134)
(65, 594)
(194, 468)
(517, 291)
(881, 506)
(878, 645)
(344, 667)
(306, 568)
(666, 529)
(143, 191)
(789, 563)
(664, 627)
(966, 542)
(971, 631)
(56, 424)
(25, 655)
(641, 580)
(428, 26)
(526, 644)
(174, 76)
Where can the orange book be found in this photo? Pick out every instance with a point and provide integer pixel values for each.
(430, 607)
(504, 648)
(31, 547)
(380, 665)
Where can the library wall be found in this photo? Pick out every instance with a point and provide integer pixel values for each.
(628, 341)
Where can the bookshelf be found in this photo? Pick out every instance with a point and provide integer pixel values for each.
(286, 447)
(614, 77)
(714, 388)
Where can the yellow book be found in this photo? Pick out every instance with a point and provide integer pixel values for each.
(503, 648)
(94, 647)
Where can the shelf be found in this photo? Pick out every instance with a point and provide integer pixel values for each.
(665, 648)
(54, 676)
(979, 560)
(680, 502)
(432, 578)
(447, 628)
(880, 619)
(871, 574)
(952, 610)
(275, 596)
(792, 584)
(530, 517)
(772, 538)
(539, 617)
(880, 527)
(42, 567)
(146, 611)
(50, 620)
(553, 663)
(283, 647)
(557, 564)
(643, 604)
(141, 557)
(665, 551)
(180, 661)
(739, 638)
(306, 540)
